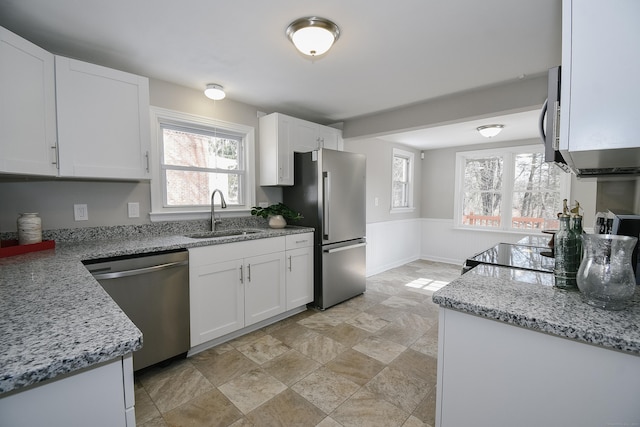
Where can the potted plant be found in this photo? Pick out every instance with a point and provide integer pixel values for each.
(277, 214)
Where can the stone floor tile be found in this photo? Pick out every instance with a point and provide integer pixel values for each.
(364, 409)
(252, 389)
(380, 349)
(325, 389)
(355, 366)
(263, 349)
(320, 348)
(346, 334)
(368, 322)
(428, 343)
(286, 409)
(220, 368)
(395, 386)
(290, 367)
(175, 385)
(211, 409)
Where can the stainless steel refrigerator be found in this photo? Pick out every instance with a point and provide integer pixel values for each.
(329, 191)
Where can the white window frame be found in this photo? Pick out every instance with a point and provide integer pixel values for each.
(508, 153)
(397, 152)
(159, 212)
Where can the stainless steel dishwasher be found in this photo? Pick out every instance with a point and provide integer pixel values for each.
(153, 291)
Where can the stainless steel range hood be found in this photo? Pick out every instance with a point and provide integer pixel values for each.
(604, 162)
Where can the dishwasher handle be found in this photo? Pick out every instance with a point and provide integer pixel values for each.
(138, 271)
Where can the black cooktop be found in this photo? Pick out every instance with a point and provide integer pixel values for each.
(515, 256)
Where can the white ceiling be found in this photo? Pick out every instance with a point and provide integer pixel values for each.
(390, 54)
(517, 126)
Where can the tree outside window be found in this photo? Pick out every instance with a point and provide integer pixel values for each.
(195, 163)
(511, 189)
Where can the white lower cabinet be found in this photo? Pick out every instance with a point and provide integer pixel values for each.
(492, 373)
(299, 258)
(217, 299)
(235, 285)
(264, 287)
(97, 396)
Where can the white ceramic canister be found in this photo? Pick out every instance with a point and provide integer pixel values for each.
(29, 229)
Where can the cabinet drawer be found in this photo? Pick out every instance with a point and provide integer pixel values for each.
(295, 241)
(205, 255)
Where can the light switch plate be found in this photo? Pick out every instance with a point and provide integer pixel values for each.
(133, 209)
(80, 212)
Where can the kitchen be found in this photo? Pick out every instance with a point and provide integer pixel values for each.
(427, 232)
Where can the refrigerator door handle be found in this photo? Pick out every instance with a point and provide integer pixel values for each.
(344, 248)
(326, 197)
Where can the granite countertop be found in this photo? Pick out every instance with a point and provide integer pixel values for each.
(55, 318)
(529, 299)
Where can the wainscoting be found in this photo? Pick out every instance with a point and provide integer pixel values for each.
(394, 243)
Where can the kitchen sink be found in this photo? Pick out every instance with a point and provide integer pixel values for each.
(222, 233)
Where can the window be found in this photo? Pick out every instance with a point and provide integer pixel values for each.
(194, 156)
(508, 189)
(402, 181)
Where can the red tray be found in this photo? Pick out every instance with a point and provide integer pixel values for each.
(12, 248)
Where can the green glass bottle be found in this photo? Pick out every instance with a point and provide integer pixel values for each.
(565, 252)
(576, 225)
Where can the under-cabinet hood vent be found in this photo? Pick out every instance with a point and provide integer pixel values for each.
(594, 172)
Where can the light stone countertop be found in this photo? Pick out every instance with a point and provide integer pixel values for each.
(528, 299)
(55, 318)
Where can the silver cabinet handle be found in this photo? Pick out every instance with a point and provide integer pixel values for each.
(241, 274)
(289, 262)
(56, 156)
(301, 241)
(249, 272)
(146, 155)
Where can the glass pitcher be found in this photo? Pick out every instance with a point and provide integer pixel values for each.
(605, 276)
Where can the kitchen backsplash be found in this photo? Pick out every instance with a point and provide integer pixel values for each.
(143, 230)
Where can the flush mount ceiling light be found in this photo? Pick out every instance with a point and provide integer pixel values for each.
(215, 92)
(313, 36)
(489, 131)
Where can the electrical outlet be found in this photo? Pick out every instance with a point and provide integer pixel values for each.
(80, 213)
(133, 209)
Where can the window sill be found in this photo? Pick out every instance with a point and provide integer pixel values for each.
(401, 210)
(191, 215)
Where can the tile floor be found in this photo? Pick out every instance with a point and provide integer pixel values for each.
(370, 361)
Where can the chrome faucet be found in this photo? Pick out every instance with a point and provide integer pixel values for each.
(223, 205)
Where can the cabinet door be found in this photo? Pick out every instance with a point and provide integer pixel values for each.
(305, 136)
(601, 59)
(217, 300)
(264, 286)
(330, 138)
(27, 107)
(276, 151)
(299, 277)
(103, 121)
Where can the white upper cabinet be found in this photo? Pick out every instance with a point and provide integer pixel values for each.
(276, 150)
(281, 136)
(103, 121)
(27, 107)
(600, 66)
